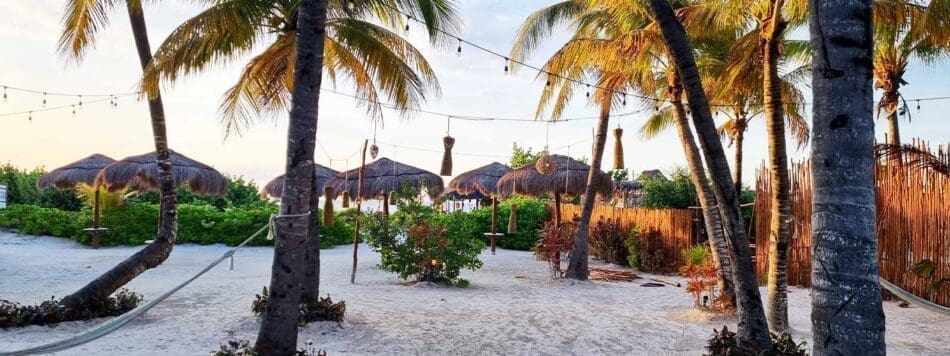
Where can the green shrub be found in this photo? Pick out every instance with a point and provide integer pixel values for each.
(695, 254)
(634, 249)
(135, 223)
(417, 242)
(532, 213)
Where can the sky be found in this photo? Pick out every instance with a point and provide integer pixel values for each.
(473, 84)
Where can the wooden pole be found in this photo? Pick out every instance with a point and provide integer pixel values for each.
(359, 212)
(95, 220)
(557, 208)
(494, 223)
(386, 205)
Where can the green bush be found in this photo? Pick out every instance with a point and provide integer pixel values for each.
(135, 223)
(241, 193)
(634, 248)
(532, 213)
(695, 254)
(674, 193)
(21, 189)
(418, 242)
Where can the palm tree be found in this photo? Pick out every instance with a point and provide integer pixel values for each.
(359, 45)
(753, 329)
(278, 334)
(81, 24)
(847, 317)
(903, 34)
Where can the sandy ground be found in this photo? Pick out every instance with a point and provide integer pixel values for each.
(512, 307)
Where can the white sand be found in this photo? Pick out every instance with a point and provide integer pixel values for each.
(512, 307)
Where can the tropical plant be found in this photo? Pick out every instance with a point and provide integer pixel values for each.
(607, 241)
(678, 192)
(844, 251)
(700, 275)
(360, 46)
(556, 241)
(82, 22)
(905, 32)
(523, 156)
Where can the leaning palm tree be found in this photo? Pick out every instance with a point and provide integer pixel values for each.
(753, 331)
(847, 317)
(911, 33)
(82, 22)
(604, 45)
(360, 45)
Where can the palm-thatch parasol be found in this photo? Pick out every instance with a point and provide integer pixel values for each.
(569, 179)
(482, 180)
(320, 173)
(383, 177)
(141, 173)
(82, 171)
(627, 190)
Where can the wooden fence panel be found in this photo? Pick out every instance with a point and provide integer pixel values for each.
(674, 226)
(913, 223)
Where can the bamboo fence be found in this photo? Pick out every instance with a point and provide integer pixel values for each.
(913, 223)
(673, 227)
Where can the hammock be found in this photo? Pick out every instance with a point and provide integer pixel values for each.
(910, 297)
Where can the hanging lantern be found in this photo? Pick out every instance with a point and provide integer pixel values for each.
(546, 165)
(448, 142)
(618, 149)
(327, 206)
(373, 150)
(513, 220)
(346, 200)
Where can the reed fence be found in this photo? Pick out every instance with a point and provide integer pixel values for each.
(913, 222)
(675, 228)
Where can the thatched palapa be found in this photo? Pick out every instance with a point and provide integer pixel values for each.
(320, 173)
(570, 179)
(81, 171)
(384, 176)
(141, 173)
(482, 180)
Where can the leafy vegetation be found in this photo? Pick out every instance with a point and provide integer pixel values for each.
(22, 189)
(608, 241)
(322, 309)
(52, 311)
(726, 342)
(417, 242)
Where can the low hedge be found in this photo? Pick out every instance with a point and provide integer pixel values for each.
(134, 223)
(532, 213)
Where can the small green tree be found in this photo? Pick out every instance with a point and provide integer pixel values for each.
(674, 193)
(523, 156)
(620, 174)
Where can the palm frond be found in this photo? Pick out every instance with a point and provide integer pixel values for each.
(82, 21)
(541, 24)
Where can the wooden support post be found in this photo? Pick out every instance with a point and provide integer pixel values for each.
(359, 212)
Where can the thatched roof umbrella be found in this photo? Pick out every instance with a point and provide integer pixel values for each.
(623, 189)
(320, 173)
(569, 179)
(383, 177)
(82, 171)
(141, 173)
(482, 180)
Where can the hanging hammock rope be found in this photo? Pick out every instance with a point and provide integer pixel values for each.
(910, 297)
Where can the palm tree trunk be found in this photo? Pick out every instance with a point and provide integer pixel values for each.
(753, 329)
(891, 98)
(311, 274)
(847, 317)
(778, 170)
(740, 140)
(278, 334)
(577, 266)
(711, 218)
(158, 251)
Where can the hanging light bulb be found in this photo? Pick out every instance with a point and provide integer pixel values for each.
(588, 90)
(4, 93)
(31, 116)
(44, 99)
(918, 105)
(624, 99)
(459, 50)
(350, 5)
(74, 109)
(408, 18)
(656, 105)
(506, 64)
(80, 100)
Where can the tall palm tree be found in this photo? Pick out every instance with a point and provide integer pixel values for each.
(359, 45)
(81, 24)
(847, 317)
(753, 330)
(907, 33)
(606, 46)
(278, 334)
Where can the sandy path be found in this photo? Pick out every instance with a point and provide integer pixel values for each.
(498, 314)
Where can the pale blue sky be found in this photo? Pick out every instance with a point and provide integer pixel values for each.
(473, 84)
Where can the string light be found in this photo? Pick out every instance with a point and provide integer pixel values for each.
(918, 105)
(80, 101)
(408, 18)
(624, 101)
(4, 93)
(459, 50)
(350, 5)
(506, 65)
(31, 116)
(44, 100)
(588, 90)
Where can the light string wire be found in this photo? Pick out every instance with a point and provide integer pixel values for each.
(541, 70)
